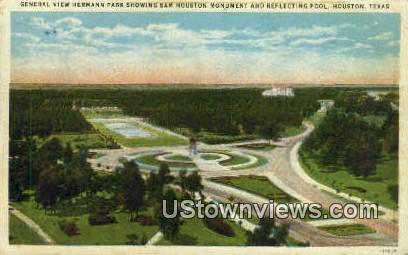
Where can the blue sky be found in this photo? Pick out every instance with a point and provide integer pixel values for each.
(205, 47)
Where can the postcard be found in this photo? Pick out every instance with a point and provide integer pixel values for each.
(204, 127)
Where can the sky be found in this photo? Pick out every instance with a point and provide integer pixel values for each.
(205, 48)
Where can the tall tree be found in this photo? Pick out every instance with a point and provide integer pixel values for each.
(268, 234)
(168, 226)
(193, 183)
(132, 188)
(269, 130)
(47, 189)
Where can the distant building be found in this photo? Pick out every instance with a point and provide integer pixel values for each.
(377, 94)
(325, 105)
(278, 91)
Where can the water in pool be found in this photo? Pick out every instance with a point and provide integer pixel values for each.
(127, 130)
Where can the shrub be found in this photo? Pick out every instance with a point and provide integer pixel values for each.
(145, 220)
(98, 219)
(219, 226)
(69, 228)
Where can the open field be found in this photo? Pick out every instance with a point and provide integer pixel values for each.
(292, 131)
(20, 233)
(373, 188)
(111, 234)
(90, 140)
(258, 185)
(194, 232)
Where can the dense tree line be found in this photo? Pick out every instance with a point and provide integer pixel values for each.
(38, 112)
(346, 137)
(220, 111)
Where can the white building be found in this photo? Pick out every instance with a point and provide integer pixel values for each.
(278, 91)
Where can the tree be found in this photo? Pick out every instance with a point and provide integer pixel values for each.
(393, 191)
(47, 189)
(51, 151)
(154, 191)
(168, 226)
(362, 155)
(182, 181)
(132, 188)
(193, 183)
(268, 234)
(163, 176)
(67, 153)
(269, 130)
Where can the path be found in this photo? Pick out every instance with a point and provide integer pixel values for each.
(32, 225)
(155, 239)
(283, 170)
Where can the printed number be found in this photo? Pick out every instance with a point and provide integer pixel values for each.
(389, 250)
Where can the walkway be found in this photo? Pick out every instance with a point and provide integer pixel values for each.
(32, 225)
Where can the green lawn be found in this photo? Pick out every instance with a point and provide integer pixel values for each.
(316, 118)
(210, 157)
(160, 138)
(91, 140)
(111, 113)
(150, 159)
(258, 185)
(372, 188)
(112, 234)
(347, 230)
(194, 232)
(234, 160)
(292, 131)
(178, 157)
(258, 146)
(238, 159)
(20, 233)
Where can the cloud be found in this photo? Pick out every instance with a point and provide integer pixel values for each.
(381, 37)
(26, 37)
(393, 43)
(359, 45)
(318, 41)
(169, 52)
(41, 23)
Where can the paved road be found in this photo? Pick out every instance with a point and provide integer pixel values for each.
(299, 230)
(281, 171)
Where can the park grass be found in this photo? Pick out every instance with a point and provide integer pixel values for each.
(194, 232)
(111, 234)
(258, 146)
(347, 230)
(159, 138)
(234, 160)
(90, 140)
(292, 131)
(260, 162)
(373, 188)
(150, 159)
(258, 185)
(20, 233)
(178, 157)
(238, 159)
(210, 157)
(316, 118)
(107, 113)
